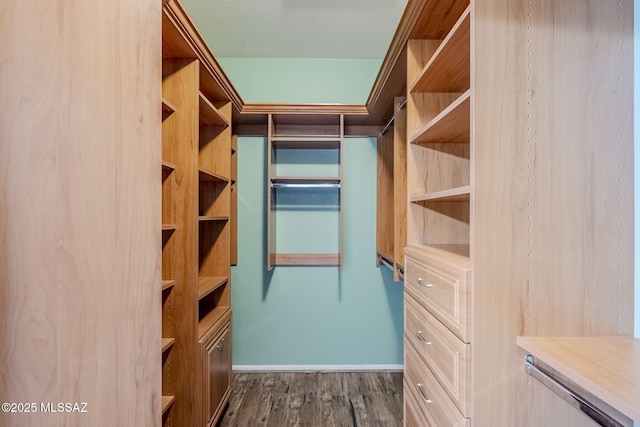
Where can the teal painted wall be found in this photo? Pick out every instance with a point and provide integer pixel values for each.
(314, 315)
(302, 80)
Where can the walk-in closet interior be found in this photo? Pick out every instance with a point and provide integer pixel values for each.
(439, 236)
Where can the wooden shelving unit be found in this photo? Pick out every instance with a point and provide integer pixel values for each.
(301, 134)
(391, 204)
(197, 211)
(506, 153)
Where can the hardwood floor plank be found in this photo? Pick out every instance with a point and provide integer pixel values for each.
(315, 399)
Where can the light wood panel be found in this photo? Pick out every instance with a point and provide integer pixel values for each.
(570, 258)
(391, 192)
(306, 259)
(80, 218)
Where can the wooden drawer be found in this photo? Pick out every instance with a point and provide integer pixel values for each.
(413, 413)
(442, 288)
(444, 353)
(423, 391)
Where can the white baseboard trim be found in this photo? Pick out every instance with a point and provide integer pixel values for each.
(315, 368)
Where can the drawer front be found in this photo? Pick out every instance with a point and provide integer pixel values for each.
(444, 353)
(422, 388)
(442, 288)
(413, 414)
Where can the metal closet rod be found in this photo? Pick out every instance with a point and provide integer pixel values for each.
(568, 395)
(304, 185)
(392, 118)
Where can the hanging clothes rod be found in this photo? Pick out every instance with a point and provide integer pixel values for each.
(305, 185)
(390, 121)
(568, 395)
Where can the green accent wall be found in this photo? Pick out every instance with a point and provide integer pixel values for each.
(302, 80)
(314, 315)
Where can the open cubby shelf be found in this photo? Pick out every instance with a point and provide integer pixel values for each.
(210, 176)
(449, 69)
(452, 125)
(210, 319)
(169, 227)
(168, 166)
(206, 285)
(209, 114)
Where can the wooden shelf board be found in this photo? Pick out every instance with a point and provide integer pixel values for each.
(452, 251)
(451, 125)
(167, 401)
(307, 259)
(387, 255)
(206, 285)
(209, 114)
(168, 166)
(167, 107)
(607, 367)
(210, 176)
(168, 227)
(204, 218)
(166, 284)
(459, 194)
(167, 343)
(305, 179)
(449, 68)
(451, 248)
(213, 317)
(308, 142)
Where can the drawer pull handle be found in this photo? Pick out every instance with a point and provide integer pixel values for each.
(421, 393)
(421, 282)
(220, 346)
(421, 337)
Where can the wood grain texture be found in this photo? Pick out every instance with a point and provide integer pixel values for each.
(278, 399)
(384, 192)
(399, 184)
(180, 85)
(604, 366)
(553, 184)
(80, 211)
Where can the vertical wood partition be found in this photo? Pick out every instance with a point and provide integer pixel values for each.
(80, 216)
(520, 181)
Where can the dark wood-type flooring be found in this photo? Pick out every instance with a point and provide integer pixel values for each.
(315, 399)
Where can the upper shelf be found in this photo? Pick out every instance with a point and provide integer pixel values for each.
(449, 69)
(451, 125)
(309, 141)
(209, 114)
(209, 176)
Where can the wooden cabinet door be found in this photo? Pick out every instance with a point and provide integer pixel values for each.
(218, 375)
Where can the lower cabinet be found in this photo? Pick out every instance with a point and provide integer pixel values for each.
(437, 351)
(215, 372)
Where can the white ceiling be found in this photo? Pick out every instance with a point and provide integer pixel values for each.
(297, 28)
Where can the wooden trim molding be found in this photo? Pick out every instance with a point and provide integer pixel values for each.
(408, 21)
(175, 12)
(264, 108)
